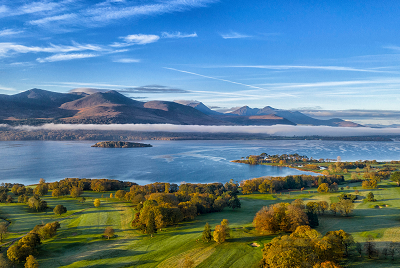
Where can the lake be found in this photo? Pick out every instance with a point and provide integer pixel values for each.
(170, 161)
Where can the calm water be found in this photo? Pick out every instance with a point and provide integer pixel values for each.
(169, 161)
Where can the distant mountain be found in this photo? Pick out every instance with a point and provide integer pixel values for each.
(85, 106)
(96, 108)
(199, 106)
(295, 117)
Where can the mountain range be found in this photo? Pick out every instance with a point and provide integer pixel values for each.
(37, 105)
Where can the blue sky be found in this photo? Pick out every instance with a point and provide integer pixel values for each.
(332, 55)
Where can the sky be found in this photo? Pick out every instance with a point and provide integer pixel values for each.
(307, 55)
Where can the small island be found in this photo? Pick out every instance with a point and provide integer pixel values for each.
(120, 144)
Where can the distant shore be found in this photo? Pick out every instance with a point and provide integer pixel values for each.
(9, 134)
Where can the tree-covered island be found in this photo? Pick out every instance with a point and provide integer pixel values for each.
(120, 144)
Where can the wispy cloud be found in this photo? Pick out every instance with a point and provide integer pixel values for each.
(234, 35)
(67, 13)
(35, 7)
(7, 88)
(136, 39)
(153, 89)
(177, 35)
(85, 84)
(7, 32)
(215, 78)
(7, 48)
(391, 47)
(308, 67)
(127, 60)
(64, 57)
(47, 20)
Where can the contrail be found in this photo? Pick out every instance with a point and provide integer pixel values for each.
(210, 77)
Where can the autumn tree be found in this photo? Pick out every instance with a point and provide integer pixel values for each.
(96, 202)
(120, 194)
(323, 206)
(207, 233)
(323, 188)
(109, 232)
(303, 248)
(219, 234)
(279, 217)
(345, 207)
(76, 192)
(59, 209)
(186, 262)
(31, 262)
(56, 192)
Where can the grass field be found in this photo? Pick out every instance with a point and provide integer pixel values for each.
(79, 242)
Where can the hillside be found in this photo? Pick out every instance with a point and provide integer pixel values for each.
(37, 106)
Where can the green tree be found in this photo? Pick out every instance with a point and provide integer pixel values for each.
(151, 224)
(371, 197)
(109, 232)
(3, 231)
(370, 247)
(207, 233)
(395, 177)
(96, 202)
(234, 202)
(60, 209)
(31, 262)
(4, 261)
(37, 204)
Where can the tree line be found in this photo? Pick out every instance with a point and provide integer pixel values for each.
(160, 209)
(274, 184)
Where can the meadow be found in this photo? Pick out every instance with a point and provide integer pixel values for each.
(80, 241)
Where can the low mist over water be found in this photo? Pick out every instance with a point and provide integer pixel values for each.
(170, 161)
(277, 130)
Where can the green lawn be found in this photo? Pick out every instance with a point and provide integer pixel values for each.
(79, 242)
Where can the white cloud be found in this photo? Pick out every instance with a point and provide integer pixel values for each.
(53, 19)
(86, 14)
(6, 48)
(63, 57)
(177, 35)
(234, 35)
(7, 88)
(3, 9)
(35, 7)
(7, 32)
(127, 60)
(136, 39)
